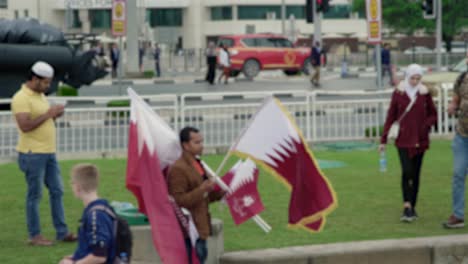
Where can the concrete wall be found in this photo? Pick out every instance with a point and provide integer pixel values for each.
(144, 252)
(427, 250)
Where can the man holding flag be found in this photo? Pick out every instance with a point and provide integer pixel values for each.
(192, 188)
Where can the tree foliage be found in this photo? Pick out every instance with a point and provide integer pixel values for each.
(404, 16)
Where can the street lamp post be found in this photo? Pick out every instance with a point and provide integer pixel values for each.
(414, 51)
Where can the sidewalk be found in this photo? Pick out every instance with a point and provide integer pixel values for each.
(180, 77)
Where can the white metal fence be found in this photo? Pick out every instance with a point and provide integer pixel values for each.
(89, 125)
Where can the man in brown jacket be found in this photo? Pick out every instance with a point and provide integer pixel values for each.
(192, 188)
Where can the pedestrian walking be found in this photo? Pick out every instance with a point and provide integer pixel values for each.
(413, 112)
(315, 60)
(211, 62)
(157, 60)
(387, 64)
(459, 108)
(224, 63)
(115, 56)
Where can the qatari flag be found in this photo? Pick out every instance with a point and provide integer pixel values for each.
(149, 139)
(273, 139)
(243, 199)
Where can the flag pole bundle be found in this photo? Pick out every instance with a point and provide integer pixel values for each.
(256, 218)
(274, 141)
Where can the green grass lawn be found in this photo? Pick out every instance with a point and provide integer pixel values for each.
(369, 205)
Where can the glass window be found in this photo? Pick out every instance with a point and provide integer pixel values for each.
(167, 17)
(298, 11)
(3, 3)
(26, 13)
(249, 42)
(16, 14)
(101, 18)
(338, 11)
(265, 42)
(221, 13)
(226, 41)
(282, 43)
(258, 12)
(76, 23)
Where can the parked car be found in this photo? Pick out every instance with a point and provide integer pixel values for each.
(252, 53)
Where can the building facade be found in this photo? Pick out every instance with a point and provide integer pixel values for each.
(190, 23)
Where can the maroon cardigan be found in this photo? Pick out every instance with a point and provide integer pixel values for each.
(415, 126)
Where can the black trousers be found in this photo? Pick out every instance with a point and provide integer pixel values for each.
(411, 169)
(210, 75)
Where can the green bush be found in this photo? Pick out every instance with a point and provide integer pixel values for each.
(119, 103)
(372, 131)
(67, 90)
(148, 74)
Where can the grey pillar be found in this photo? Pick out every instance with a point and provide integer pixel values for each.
(132, 37)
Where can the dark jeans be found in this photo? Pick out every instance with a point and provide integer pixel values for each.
(387, 68)
(157, 68)
(200, 249)
(210, 75)
(411, 169)
(41, 169)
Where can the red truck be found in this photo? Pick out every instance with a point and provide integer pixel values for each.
(252, 53)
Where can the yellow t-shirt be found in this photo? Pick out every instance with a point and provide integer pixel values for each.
(42, 138)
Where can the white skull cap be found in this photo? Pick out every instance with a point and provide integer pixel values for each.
(43, 69)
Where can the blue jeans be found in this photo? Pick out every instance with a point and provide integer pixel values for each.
(200, 248)
(460, 165)
(42, 169)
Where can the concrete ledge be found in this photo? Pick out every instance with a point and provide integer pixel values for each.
(350, 75)
(430, 250)
(122, 82)
(244, 79)
(163, 81)
(144, 252)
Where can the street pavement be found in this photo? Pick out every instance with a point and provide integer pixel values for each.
(268, 81)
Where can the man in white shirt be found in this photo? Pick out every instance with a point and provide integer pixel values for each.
(224, 62)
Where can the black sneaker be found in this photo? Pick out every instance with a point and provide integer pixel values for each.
(407, 215)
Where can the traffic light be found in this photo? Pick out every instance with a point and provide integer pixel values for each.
(323, 6)
(429, 9)
(309, 11)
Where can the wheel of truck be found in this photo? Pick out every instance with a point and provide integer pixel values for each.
(291, 72)
(251, 68)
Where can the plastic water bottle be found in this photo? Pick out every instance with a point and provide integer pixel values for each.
(383, 161)
(124, 258)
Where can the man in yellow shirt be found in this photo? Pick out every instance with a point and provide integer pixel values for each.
(36, 152)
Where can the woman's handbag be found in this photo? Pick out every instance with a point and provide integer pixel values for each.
(395, 128)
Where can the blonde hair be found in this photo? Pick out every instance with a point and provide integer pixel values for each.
(86, 175)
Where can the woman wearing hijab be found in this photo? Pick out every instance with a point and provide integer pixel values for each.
(412, 107)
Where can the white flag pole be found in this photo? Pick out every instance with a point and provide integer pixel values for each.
(257, 219)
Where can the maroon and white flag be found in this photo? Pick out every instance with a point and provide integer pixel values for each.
(273, 140)
(152, 147)
(243, 199)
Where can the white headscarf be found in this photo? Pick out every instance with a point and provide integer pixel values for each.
(413, 69)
